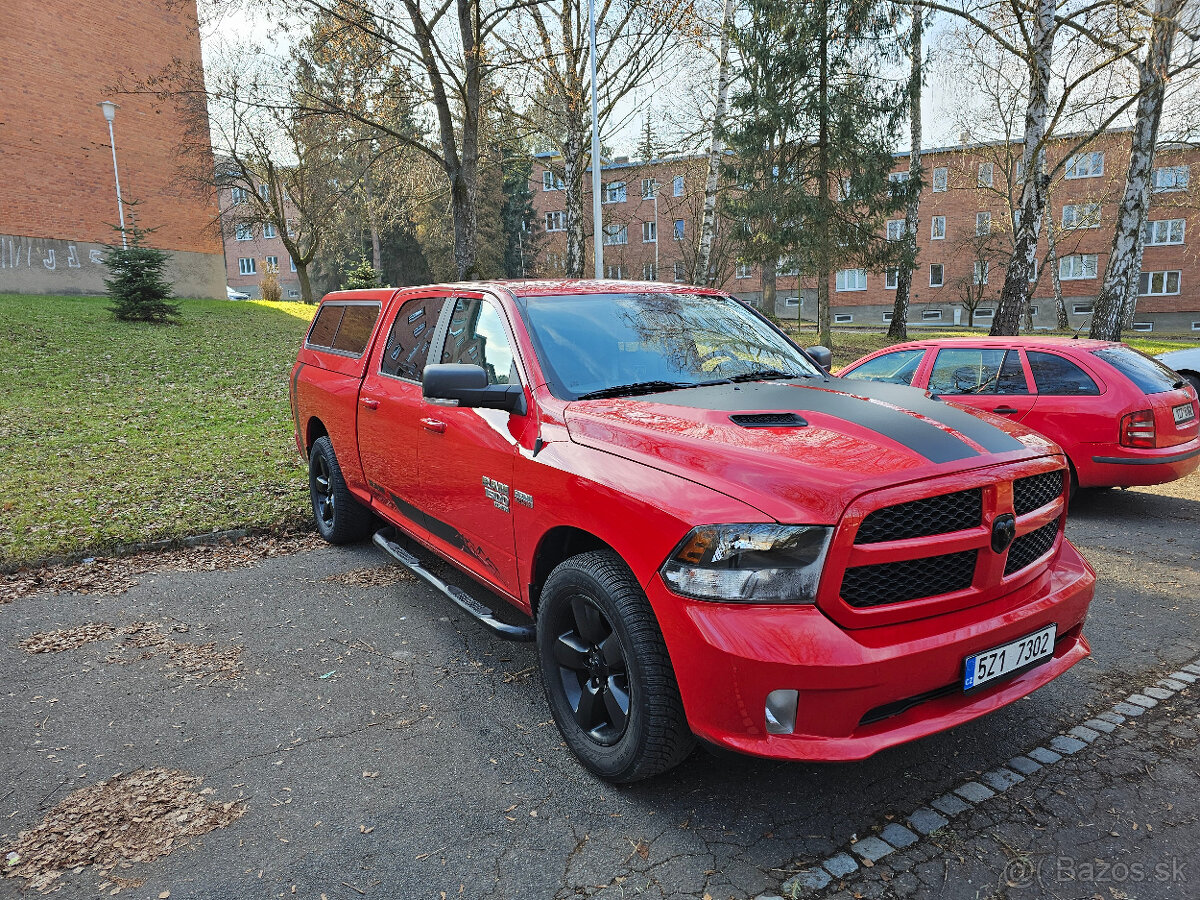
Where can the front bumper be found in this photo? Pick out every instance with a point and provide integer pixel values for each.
(728, 657)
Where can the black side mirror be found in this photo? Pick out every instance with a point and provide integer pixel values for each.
(469, 386)
(821, 356)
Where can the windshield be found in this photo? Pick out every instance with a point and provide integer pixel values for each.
(624, 344)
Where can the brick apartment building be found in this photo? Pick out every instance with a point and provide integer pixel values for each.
(652, 211)
(57, 197)
(253, 250)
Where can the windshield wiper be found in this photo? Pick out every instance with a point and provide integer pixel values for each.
(763, 374)
(645, 387)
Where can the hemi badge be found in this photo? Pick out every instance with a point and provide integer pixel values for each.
(523, 498)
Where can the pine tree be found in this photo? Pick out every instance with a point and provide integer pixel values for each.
(138, 290)
(362, 276)
(517, 215)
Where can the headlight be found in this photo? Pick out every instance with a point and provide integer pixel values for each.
(749, 563)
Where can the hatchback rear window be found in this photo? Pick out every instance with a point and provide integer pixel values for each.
(343, 327)
(1147, 373)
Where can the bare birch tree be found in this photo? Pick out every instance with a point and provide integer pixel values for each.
(898, 330)
(704, 271)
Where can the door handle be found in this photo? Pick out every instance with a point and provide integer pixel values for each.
(434, 425)
(1004, 410)
(370, 403)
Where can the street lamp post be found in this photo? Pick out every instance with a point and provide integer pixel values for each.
(597, 221)
(656, 278)
(110, 111)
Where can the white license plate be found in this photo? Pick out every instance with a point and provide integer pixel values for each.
(1000, 661)
(1183, 413)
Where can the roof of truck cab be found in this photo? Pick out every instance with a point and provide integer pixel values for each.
(1026, 341)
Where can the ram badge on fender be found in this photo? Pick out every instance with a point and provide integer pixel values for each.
(714, 538)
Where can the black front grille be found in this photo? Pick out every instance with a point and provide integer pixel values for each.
(1036, 491)
(909, 579)
(922, 518)
(1028, 547)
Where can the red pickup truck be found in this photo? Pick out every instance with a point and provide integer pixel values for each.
(708, 535)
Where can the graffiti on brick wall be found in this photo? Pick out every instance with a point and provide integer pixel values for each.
(47, 254)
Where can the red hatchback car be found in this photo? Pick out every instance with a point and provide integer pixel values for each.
(1122, 418)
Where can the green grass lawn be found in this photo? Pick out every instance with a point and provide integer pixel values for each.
(115, 433)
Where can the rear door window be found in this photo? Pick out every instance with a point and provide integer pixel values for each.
(1054, 374)
(407, 348)
(1146, 372)
(897, 367)
(343, 327)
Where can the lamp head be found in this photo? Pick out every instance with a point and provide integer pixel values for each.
(109, 109)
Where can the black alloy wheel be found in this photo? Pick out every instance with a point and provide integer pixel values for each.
(323, 497)
(340, 518)
(594, 672)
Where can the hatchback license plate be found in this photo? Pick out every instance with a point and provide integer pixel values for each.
(1184, 413)
(1023, 653)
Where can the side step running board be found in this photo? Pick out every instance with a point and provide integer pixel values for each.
(465, 602)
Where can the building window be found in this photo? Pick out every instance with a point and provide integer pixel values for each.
(1033, 271)
(1152, 284)
(1143, 326)
(985, 174)
(680, 273)
(264, 191)
(983, 223)
(981, 271)
(898, 177)
(1081, 215)
(649, 272)
(1170, 178)
(937, 228)
(271, 263)
(677, 184)
(895, 229)
(246, 266)
(556, 221)
(555, 262)
(852, 280)
(843, 319)
(788, 267)
(844, 189)
(244, 233)
(985, 312)
(1164, 231)
(1077, 266)
(791, 301)
(649, 188)
(550, 181)
(615, 272)
(941, 180)
(1082, 309)
(931, 315)
(293, 293)
(292, 262)
(649, 232)
(1033, 310)
(237, 195)
(937, 274)
(742, 270)
(1196, 326)
(887, 317)
(269, 231)
(614, 192)
(1086, 165)
(891, 278)
(679, 229)
(616, 234)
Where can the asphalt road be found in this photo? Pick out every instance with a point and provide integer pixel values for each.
(387, 746)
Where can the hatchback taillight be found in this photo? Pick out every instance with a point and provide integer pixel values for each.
(1137, 429)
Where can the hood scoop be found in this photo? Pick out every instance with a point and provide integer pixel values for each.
(768, 420)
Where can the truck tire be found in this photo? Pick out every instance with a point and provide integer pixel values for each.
(340, 518)
(606, 671)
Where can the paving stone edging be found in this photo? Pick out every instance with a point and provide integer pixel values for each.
(939, 811)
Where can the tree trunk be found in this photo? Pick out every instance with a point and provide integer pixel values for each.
(573, 167)
(768, 286)
(306, 293)
(1015, 292)
(824, 331)
(1060, 304)
(716, 149)
(373, 227)
(898, 330)
(1117, 301)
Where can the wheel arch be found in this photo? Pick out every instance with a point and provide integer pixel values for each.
(558, 544)
(313, 430)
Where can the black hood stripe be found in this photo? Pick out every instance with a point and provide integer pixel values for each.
(916, 434)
